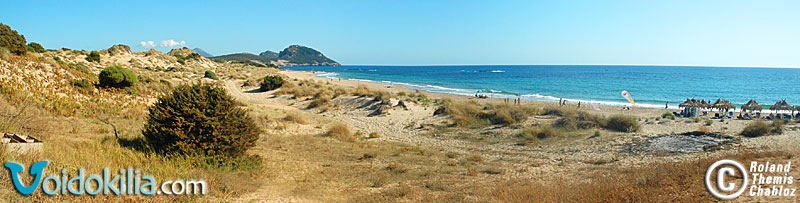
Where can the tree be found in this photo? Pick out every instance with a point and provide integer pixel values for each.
(11, 40)
(35, 47)
(201, 119)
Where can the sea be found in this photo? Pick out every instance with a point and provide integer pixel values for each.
(650, 86)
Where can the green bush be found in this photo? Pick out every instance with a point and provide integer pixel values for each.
(709, 122)
(11, 40)
(115, 76)
(35, 47)
(211, 75)
(622, 123)
(271, 82)
(94, 56)
(200, 119)
(668, 115)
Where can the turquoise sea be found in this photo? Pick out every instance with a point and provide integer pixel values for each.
(650, 86)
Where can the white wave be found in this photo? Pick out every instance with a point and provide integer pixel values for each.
(484, 71)
(362, 80)
(326, 75)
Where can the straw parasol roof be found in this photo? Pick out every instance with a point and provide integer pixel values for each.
(751, 105)
(723, 104)
(781, 106)
(704, 104)
(689, 103)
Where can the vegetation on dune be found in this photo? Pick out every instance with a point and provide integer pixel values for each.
(93, 56)
(578, 120)
(622, 123)
(210, 75)
(539, 133)
(200, 119)
(35, 47)
(668, 115)
(473, 114)
(341, 132)
(116, 76)
(182, 59)
(271, 82)
(760, 128)
(11, 40)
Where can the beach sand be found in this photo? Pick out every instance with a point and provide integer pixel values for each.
(577, 156)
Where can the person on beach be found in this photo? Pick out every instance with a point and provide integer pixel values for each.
(579, 104)
(666, 106)
(560, 101)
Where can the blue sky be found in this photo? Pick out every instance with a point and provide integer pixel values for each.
(735, 33)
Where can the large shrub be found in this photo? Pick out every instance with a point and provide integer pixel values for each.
(115, 76)
(622, 123)
(200, 119)
(93, 56)
(271, 82)
(11, 40)
(35, 47)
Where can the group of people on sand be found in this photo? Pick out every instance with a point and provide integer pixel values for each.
(771, 116)
(517, 101)
(563, 102)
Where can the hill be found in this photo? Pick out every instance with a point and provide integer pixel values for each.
(268, 54)
(294, 55)
(304, 56)
(202, 52)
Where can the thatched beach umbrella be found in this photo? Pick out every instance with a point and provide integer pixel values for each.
(723, 104)
(782, 106)
(688, 103)
(751, 105)
(704, 104)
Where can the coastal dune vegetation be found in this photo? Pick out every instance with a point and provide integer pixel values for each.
(256, 132)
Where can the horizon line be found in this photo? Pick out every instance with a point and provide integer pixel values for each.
(679, 65)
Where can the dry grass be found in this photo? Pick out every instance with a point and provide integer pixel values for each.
(341, 132)
(622, 123)
(666, 182)
(38, 98)
(577, 120)
(473, 114)
(295, 117)
(761, 128)
(535, 134)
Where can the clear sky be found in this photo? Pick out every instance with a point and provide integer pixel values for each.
(736, 33)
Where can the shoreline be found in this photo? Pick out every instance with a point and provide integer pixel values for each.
(600, 108)
(535, 98)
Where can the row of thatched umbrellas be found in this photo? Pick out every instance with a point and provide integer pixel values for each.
(726, 105)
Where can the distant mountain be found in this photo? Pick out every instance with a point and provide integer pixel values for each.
(202, 53)
(294, 55)
(304, 56)
(269, 54)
